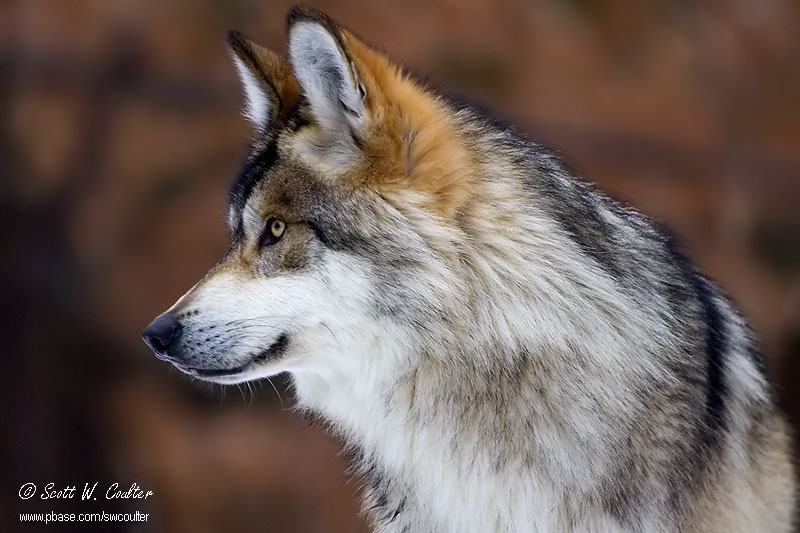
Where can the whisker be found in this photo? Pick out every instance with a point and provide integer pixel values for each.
(333, 335)
(249, 326)
(253, 319)
(283, 407)
(252, 394)
(221, 395)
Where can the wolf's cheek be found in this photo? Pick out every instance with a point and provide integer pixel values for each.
(296, 251)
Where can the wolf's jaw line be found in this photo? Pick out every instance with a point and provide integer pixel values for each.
(275, 349)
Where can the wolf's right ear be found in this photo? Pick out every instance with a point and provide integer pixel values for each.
(267, 80)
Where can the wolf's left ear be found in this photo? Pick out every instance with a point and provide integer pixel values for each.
(267, 80)
(327, 75)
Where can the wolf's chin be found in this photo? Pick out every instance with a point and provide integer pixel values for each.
(250, 372)
(232, 379)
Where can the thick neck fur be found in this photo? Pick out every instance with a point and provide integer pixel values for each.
(521, 367)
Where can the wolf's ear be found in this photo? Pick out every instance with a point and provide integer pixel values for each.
(325, 72)
(267, 80)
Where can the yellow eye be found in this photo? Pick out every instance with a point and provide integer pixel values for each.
(273, 232)
(277, 227)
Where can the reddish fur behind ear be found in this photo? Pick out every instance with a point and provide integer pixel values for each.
(411, 137)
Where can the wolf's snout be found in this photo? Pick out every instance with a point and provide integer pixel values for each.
(161, 333)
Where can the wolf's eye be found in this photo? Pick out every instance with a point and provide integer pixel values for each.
(273, 232)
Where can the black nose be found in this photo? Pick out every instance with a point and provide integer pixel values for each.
(161, 333)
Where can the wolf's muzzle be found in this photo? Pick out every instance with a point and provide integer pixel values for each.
(161, 334)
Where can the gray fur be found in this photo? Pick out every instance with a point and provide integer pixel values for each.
(545, 360)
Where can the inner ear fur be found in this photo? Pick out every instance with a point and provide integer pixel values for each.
(272, 76)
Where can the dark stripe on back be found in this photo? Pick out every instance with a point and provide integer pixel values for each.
(716, 347)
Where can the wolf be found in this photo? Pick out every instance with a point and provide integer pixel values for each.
(501, 346)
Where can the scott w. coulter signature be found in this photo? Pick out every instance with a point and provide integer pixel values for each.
(88, 491)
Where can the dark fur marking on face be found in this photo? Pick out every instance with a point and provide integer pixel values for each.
(253, 171)
(275, 350)
(321, 236)
(338, 233)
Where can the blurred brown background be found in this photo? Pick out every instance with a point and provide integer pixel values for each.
(120, 130)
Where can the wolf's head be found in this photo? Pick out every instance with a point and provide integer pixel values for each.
(344, 220)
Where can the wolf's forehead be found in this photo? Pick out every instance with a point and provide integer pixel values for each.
(264, 155)
(272, 182)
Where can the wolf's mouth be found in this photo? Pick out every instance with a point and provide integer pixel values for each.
(274, 350)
